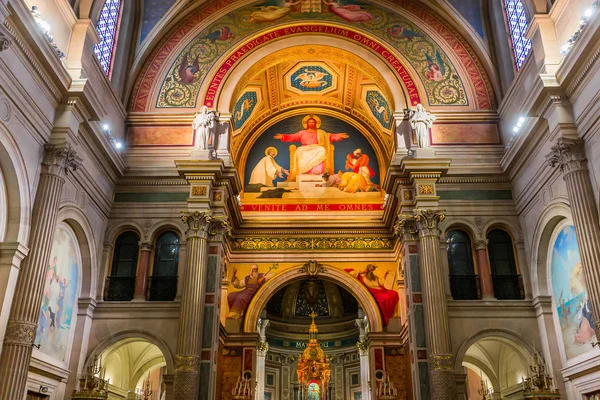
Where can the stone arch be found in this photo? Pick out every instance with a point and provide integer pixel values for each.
(165, 225)
(511, 228)
(513, 341)
(129, 336)
(15, 222)
(359, 291)
(114, 231)
(462, 224)
(77, 221)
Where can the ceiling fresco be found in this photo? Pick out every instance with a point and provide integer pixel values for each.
(436, 58)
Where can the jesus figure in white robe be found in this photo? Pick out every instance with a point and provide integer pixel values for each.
(267, 169)
(312, 156)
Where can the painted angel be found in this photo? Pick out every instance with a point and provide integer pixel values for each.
(435, 70)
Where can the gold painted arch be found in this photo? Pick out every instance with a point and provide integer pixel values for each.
(360, 292)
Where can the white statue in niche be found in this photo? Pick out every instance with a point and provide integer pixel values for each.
(204, 126)
(421, 121)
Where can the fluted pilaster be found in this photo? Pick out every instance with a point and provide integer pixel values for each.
(569, 156)
(441, 375)
(187, 361)
(22, 323)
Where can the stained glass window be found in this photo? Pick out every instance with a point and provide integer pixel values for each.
(107, 28)
(517, 26)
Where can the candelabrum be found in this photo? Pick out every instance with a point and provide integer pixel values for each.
(146, 392)
(485, 392)
(386, 389)
(538, 384)
(242, 389)
(92, 386)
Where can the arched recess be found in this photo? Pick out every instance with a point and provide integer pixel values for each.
(133, 335)
(514, 343)
(77, 221)
(360, 292)
(556, 212)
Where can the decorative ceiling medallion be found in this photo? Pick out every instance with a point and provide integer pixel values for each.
(244, 107)
(311, 77)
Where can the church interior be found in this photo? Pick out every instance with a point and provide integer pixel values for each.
(299, 199)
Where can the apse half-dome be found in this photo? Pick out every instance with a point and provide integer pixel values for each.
(289, 314)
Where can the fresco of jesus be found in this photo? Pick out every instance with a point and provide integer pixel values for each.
(312, 156)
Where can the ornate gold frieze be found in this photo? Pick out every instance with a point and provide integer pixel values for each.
(330, 243)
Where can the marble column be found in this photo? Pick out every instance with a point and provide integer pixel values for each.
(441, 362)
(569, 155)
(261, 355)
(485, 273)
(27, 300)
(141, 280)
(187, 360)
(365, 372)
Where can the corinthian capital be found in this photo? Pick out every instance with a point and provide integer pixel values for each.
(59, 159)
(197, 223)
(219, 228)
(568, 154)
(427, 221)
(406, 228)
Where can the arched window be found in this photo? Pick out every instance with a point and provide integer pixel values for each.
(121, 282)
(108, 29)
(163, 283)
(517, 26)
(464, 283)
(507, 283)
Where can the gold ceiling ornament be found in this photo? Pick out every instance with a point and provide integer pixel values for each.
(92, 386)
(313, 366)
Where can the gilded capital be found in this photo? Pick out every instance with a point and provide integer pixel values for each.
(219, 228)
(441, 362)
(406, 228)
(58, 160)
(197, 223)
(262, 348)
(20, 333)
(427, 221)
(568, 155)
(184, 363)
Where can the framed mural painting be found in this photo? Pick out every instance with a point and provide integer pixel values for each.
(56, 322)
(311, 163)
(570, 294)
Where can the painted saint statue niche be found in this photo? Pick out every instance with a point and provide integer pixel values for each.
(327, 161)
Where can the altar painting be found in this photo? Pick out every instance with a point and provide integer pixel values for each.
(245, 279)
(571, 295)
(312, 158)
(55, 323)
